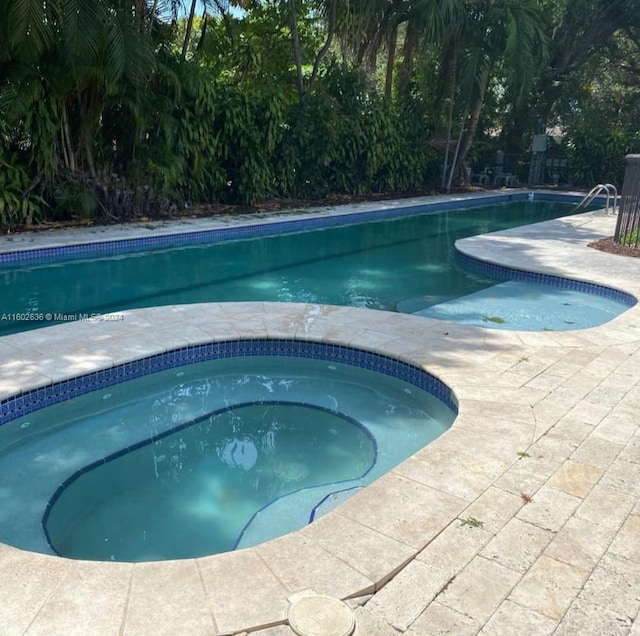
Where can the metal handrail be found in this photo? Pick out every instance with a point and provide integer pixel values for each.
(609, 188)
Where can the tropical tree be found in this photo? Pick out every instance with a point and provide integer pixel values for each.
(63, 61)
(142, 105)
(583, 29)
(500, 38)
(580, 31)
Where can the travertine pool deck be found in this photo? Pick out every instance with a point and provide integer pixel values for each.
(542, 462)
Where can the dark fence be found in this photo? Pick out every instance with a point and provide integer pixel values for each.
(628, 225)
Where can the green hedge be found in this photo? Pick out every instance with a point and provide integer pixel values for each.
(206, 140)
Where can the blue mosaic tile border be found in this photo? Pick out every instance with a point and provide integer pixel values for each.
(35, 399)
(166, 241)
(510, 273)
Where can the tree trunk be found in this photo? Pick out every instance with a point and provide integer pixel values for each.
(331, 27)
(470, 134)
(90, 163)
(445, 164)
(152, 15)
(521, 123)
(454, 163)
(450, 78)
(69, 155)
(187, 35)
(391, 61)
(297, 53)
(411, 39)
(362, 50)
(140, 9)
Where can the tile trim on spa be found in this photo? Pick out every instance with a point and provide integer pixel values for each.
(29, 401)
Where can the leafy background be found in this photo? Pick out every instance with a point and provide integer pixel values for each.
(112, 110)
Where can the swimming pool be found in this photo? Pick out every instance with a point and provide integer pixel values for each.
(206, 457)
(381, 264)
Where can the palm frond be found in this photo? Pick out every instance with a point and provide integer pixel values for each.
(82, 29)
(28, 27)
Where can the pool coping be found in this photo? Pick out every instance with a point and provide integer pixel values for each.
(356, 549)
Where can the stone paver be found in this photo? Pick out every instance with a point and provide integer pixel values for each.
(88, 594)
(549, 587)
(278, 630)
(627, 541)
(367, 624)
(373, 554)
(511, 618)
(581, 542)
(226, 579)
(465, 596)
(163, 593)
(26, 582)
(588, 619)
(575, 478)
(439, 620)
(614, 585)
(546, 417)
(404, 598)
(549, 508)
(529, 474)
(623, 476)
(605, 506)
(403, 509)
(597, 452)
(517, 545)
(313, 567)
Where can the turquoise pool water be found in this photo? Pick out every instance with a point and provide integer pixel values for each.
(383, 265)
(523, 306)
(204, 458)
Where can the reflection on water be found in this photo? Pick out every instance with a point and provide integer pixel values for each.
(203, 483)
(196, 454)
(377, 264)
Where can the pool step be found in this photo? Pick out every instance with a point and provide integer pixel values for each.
(419, 303)
(293, 511)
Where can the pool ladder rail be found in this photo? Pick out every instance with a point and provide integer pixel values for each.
(612, 194)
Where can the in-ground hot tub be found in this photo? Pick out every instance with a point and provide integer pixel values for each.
(207, 448)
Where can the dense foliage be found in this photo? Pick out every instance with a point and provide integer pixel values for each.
(112, 109)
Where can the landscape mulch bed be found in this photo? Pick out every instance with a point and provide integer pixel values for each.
(608, 245)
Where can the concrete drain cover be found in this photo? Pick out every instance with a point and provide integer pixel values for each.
(321, 616)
